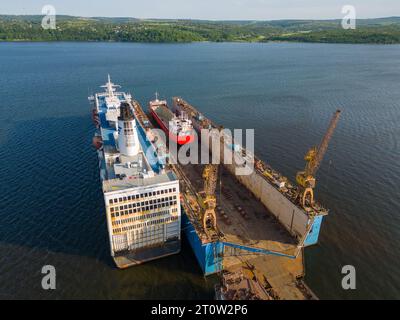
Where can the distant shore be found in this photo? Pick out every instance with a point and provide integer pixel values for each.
(203, 41)
(29, 28)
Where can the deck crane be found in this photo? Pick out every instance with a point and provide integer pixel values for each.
(210, 176)
(306, 179)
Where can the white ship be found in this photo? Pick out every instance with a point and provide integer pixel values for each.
(141, 196)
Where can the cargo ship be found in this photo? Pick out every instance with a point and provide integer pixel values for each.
(178, 128)
(142, 204)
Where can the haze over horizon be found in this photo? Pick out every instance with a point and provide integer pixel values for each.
(208, 9)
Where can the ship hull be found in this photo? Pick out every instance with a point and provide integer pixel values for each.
(133, 258)
(180, 140)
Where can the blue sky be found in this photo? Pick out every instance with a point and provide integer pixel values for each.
(208, 9)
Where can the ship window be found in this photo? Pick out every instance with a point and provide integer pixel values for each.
(120, 199)
(124, 198)
(129, 198)
(174, 189)
(158, 192)
(111, 201)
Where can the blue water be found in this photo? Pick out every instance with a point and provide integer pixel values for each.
(51, 204)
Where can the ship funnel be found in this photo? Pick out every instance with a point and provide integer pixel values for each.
(128, 141)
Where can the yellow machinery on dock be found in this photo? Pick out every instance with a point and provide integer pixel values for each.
(306, 179)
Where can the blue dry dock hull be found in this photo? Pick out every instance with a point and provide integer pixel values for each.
(313, 234)
(210, 255)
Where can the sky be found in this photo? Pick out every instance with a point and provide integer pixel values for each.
(207, 9)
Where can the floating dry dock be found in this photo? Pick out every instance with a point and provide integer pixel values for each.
(273, 222)
(259, 220)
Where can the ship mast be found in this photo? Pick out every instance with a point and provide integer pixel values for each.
(110, 87)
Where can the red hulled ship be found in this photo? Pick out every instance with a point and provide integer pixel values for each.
(178, 128)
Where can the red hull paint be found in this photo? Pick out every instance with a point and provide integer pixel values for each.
(179, 140)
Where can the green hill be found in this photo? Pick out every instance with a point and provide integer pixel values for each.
(28, 28)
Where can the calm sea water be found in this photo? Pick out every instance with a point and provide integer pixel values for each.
(51, 208)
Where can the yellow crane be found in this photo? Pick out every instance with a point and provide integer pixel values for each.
(210, 176)
(306, 179)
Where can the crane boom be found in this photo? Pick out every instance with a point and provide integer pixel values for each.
(210, 176)
(314, 165)
(306, 179)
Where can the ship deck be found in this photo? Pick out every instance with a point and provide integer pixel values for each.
(150, 161)
(163, 113)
